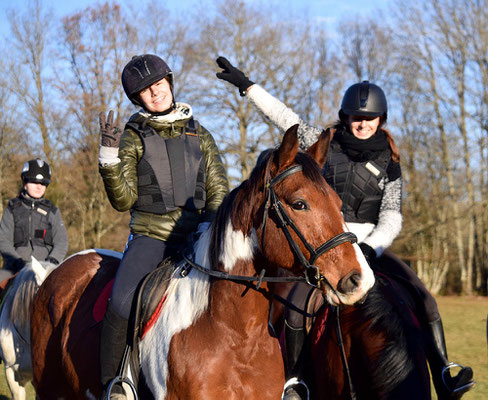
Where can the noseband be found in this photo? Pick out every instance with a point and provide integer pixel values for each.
(312, 274)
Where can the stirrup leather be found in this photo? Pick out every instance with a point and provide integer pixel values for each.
(446, 371)
(295, 382)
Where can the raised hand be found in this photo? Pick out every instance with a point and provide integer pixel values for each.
(233, 75)
(109, 133)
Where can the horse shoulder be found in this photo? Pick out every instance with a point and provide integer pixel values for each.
(230, 353)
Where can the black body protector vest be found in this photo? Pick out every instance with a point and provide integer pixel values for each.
(357, 183)
(171, 172)
(38, 216)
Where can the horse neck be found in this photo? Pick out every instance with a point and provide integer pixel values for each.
(236, 300)
(239, 302)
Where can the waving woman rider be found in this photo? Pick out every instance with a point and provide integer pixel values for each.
(167, 170)
(363, 167)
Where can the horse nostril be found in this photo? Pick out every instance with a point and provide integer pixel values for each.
(349, 283)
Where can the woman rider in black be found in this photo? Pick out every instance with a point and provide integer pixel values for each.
(363, 168)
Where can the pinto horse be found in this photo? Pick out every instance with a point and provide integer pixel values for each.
(372, 350)
(15, 324)
(212, 339)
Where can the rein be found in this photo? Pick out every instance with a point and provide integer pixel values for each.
(340, 343)
(238, 278)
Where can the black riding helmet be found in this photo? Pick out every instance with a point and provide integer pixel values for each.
(141, 72)
(36, 171)
(366, 99)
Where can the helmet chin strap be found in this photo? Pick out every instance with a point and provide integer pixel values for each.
(26, 193)
(165, 112)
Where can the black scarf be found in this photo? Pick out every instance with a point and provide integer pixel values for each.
(26, 199)
(361, 150)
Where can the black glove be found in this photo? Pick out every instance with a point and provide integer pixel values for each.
(18, 265)
(232, 75)
(110, 134)
(368, 252)
(52, 260)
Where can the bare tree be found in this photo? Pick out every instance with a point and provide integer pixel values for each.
(30, 35)
(257, 42)
(94, 47)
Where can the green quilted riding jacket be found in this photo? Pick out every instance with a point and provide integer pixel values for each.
(120, 179)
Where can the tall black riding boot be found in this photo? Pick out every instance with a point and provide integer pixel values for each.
(295, 387)
(447, 387)
(113, 339)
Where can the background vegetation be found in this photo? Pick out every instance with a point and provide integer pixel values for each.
(430, 56)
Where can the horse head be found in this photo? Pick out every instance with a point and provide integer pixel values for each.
(289, 220)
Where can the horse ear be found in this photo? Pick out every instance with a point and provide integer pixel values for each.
(288, 148)
(39, 270)
(319, 149)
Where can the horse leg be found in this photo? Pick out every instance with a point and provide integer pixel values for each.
(17, 390)
(10, 360)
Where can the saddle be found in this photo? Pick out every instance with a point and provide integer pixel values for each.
(151, 295)
(147, 305)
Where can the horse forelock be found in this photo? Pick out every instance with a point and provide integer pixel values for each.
(312, 171)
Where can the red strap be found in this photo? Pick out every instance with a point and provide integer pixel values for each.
(151, 321)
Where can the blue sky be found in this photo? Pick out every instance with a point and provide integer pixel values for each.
(323, 10)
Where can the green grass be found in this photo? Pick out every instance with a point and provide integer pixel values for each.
(465, 327)
(4, 390)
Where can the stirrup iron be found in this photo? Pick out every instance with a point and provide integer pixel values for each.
(295, 382)
(120, 380)
(461, 389)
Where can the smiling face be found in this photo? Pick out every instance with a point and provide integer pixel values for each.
(363, 127)
(157, 97)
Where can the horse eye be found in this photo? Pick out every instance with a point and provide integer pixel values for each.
(299, 205)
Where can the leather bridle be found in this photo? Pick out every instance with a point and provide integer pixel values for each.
(312, 274)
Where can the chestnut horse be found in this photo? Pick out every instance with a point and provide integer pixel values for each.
(212, 338)
(372, 350)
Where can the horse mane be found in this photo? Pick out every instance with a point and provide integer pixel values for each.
(23, 291)
(387, 319)
(245, 200)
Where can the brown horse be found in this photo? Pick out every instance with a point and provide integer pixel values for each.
(212, 339)
(382, 354)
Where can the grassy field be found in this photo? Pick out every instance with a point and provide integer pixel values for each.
(465, 326)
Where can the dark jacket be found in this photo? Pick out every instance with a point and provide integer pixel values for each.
(39, 232)
(120, 179)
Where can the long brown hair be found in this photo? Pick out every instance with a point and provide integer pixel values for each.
(395, 154)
